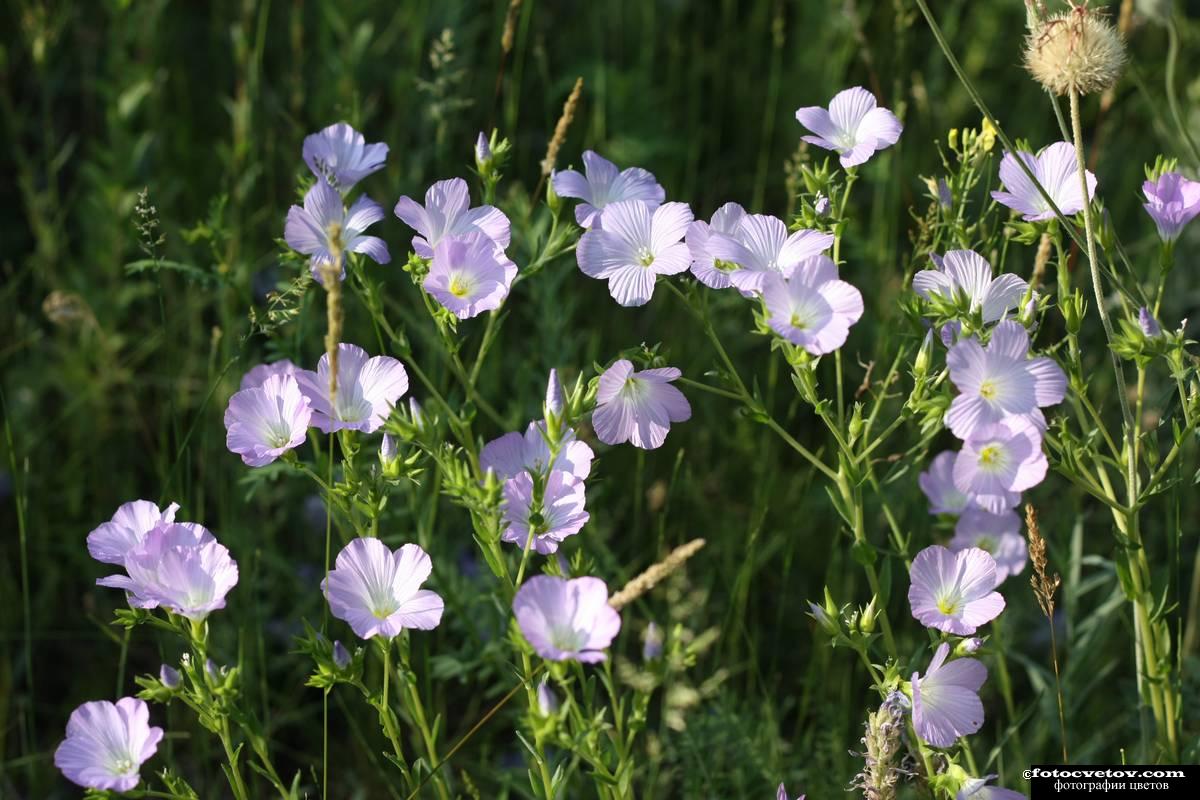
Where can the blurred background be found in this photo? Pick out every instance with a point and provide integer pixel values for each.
(114, 377)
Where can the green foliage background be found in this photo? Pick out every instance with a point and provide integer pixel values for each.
(118, 394)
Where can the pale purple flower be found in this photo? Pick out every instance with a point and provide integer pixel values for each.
(107, 743)
(997, 534)
(169, 676)
(179, 566)
(854, 127)
(447, 212)
(263, 423)
(726, 220)
(953, 592)
(112, 540)
(547, 700)
(604, 185)
(341, 656)
(1056, 170)
(762, 247)
(812, 308)
(1148, 323)
(257, 375)
(554, 394)
(469, 274)
(999, 462)
(946, 702)
(559, 514)
(937, 483)
(566, 619)
(1000, 381)
(978, 789)
(652, 642)
(367, 388)
(638, 407)
(324, 225)
(966, 274)
(1172, 202)
(341, 155)
(513, 454)
(378, 591)
(637, 244)
(781, 794)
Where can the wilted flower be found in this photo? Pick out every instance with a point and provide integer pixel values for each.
(263, 423)
(378, 591)
(937, 483)
(812, 308)
(1000, 461)
(604, 185)
(107, 743)
(966, 274)
(469, 274)
(946, 702)
(953, 592)
(762, 248)
(179, 566)
(638, 407)
(636, 245)
(1000, 381)
(513, 454)
(853, 127)
(112, 540)
(1172, 201)
(555, 515)
(708, 270)
(997, 534)
(367, 388)
(447, 212)
(257, 375)
(566, 619)
(341, 155)
(1056, 170)
(323, 227)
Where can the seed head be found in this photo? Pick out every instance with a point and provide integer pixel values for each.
(1076, 51)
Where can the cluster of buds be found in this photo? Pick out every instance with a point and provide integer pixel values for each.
(845, 626)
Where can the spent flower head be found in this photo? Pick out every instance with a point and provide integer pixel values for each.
(1076, 51)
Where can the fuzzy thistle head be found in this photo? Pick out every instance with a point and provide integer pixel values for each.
(1075, 51)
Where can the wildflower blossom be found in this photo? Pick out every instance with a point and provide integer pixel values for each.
(179, 566)
(762, 247)
(637, 244)
(566, 619)
(323, 226)
(107, 743)
(1172, 201)
(999, 535)
(257, 375)
(946, 702)
(341, 155)
(854, 127)
(966, 274)
(128, 527)
(549, 518)
(378, 591)
(937, 483)
(469, 274)
(953, 592)
(638, 407)
(1056, 170)
(604, 185)
(1000, 381)
(367, 388)
(513, 454)
(812, 308)
(263, 423)
(978, 789)
(710, 271)
(1000, 461)
(447, 212)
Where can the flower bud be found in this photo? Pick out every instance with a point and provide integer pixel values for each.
(1148, 323)
(554, 395)
(553, 201)
(652, 642)
(389, 456)
(341, 656)
(169, 676)
(483, 153)
(866, 619)
(924, 356)
(968, 646)
(821, 205)
(214, 672)
(547, 700)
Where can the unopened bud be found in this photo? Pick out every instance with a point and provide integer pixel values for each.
(169, 676)
(547, 700)
(341, 656)
(652, 642)
(483, 153)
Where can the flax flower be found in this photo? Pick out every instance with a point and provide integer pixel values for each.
(566, 620)
(637, 244)
(107, 743)
(602, 185)
(378, 591)
(946, 702)
(854, 126)
(638, 407)
(367, 389)
(1056, 170)
(954, 592)
(812, 308)
(447, 212)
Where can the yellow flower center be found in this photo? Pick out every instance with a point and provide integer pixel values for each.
(989, 455)
(459, 287)
(987, 390)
